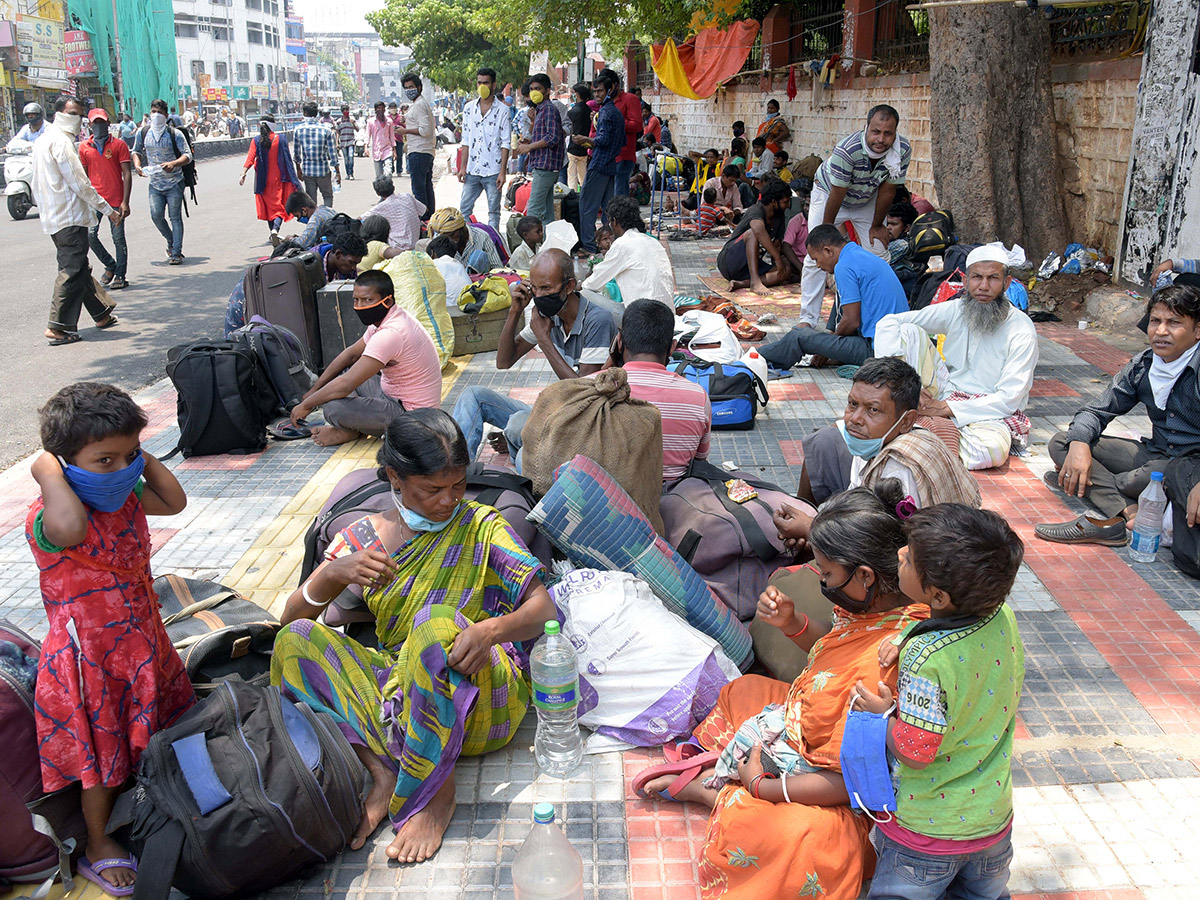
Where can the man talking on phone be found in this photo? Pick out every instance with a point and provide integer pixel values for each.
(573, 334)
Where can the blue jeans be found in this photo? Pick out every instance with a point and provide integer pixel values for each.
(473, 186)
(541, 195)
(116, 266)
(479, 405)
(420, 172)
(784, 353)
(903, 874)
(348, 159)
(382, 167)
(597, 191)
(163, 200)
(625, 169)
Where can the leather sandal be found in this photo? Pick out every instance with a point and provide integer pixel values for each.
(1112, 532)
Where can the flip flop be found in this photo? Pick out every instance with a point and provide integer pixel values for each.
(687, 770)
(112, 320)
(284, 430)
(73, 337)
(92, 872)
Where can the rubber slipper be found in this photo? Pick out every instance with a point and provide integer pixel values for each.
(112, 320)
(93, 873)
(284, 430)
(73, 337)
(686, 769)
(682, 750)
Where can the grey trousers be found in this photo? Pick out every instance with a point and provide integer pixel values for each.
(322, 183)
(1121, 470)
(367, 410)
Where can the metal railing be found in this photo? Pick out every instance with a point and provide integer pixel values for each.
(901, 36)
(754, 61)
(816, 28)
(1098, 31)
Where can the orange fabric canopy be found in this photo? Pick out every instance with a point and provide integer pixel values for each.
(696, 68)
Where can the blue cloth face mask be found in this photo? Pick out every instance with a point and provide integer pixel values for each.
(864, 762)
(417, 522)
(865, 448)
(303, 220)
(411, 93)
(104, 491)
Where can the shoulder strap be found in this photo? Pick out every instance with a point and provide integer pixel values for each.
(496, 483)
(716, 478)
(164, 846)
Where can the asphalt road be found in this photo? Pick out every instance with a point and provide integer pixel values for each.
(163, 305)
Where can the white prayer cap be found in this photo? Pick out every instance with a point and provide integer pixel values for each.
(994, 252)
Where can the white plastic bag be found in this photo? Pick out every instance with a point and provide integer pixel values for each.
(709, 329)
(646, 677)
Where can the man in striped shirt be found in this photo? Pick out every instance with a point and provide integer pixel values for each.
(856, 184)
(643, 347)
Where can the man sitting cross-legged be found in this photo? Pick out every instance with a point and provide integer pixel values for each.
(876, 438)
(976, 394)
(1110, 472)
(574, 334)
(868, 290)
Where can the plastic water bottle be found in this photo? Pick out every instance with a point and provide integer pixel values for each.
(1147, 526)
(557, 745)
(756, 364)
(547, 867)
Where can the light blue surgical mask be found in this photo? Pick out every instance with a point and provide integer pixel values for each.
(417, 522)
(303, 220)
(864, 762)
(104, 491)
(864, 448)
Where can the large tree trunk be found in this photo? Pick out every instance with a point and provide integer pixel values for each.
(995, 148)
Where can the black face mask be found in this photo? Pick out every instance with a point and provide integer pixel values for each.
(837, 595)
(100, 130)
(550, 305)
(373, 315)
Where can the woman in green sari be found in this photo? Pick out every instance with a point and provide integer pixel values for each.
(453, 591)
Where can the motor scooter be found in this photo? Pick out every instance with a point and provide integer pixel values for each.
(18, 178)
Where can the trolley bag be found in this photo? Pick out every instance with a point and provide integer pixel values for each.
(284, 292)
(241, 794)
(225, 398)
(219, 634)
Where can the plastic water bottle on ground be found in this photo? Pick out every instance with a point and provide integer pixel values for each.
(756, 364)
(558, 745)
(1147, 525)
(547, 867)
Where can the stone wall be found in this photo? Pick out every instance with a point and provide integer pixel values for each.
(1095, 104)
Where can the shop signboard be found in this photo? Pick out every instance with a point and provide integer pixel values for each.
(258, 92)
(78, 56)
(40, 42)
(239, 92)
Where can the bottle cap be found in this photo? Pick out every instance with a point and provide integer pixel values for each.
(1156, 476)
(754, 354)
(552, 626)
(543, 813)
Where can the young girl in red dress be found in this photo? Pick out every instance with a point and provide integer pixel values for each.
(108, 677)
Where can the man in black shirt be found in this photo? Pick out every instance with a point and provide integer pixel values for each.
(760, 231)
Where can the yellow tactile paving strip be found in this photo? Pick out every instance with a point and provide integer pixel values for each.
(267, 573)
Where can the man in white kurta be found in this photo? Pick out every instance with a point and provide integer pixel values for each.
(982, 385)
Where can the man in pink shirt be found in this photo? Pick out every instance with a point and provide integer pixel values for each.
(381, 139)
(394, 366)
(643, 348)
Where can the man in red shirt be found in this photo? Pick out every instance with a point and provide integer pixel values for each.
(630, 107)
(110, 169)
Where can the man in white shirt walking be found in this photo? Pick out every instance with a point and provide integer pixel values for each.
(486, 136)
(66, 200)
(419, 130)
(976, 394)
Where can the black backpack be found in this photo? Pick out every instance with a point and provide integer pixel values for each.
(337, 226)
(225, 398)
(189, 168)
(283, 357)
(241, 794)
(931, 233)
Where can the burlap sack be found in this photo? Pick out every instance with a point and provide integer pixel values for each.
(596, 417)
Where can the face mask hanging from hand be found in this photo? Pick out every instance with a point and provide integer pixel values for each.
(864, 762)
(104, 491)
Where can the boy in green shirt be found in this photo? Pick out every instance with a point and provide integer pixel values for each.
(960, 681)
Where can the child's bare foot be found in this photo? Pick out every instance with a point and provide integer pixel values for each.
(107, 848)
(421, 836)
(329, 436)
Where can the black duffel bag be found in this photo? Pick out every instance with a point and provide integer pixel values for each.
(243, 793)
(220, 635)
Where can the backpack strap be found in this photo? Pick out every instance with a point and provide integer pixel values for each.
(201, 411)
(495, 483)
(716, 478)
(164, 846)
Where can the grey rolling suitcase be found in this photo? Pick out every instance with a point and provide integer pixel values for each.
(284, 292)
(340, 325)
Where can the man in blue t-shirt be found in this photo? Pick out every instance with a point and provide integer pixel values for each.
(868, 290)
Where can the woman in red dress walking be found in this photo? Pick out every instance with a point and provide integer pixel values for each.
(274, 175)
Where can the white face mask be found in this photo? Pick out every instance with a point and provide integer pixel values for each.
(69, 124)
(158, 121)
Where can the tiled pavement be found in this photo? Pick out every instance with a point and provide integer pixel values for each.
(1109, 729)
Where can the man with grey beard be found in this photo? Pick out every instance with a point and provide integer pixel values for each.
(974, 396)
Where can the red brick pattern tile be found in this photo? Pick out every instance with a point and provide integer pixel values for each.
(223, 462)
(793, 452)
(159, 538)
(800, 390)
(1114, 894)
(1051, 387)
(1087, 347)
(525, 394)
(665, 839)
